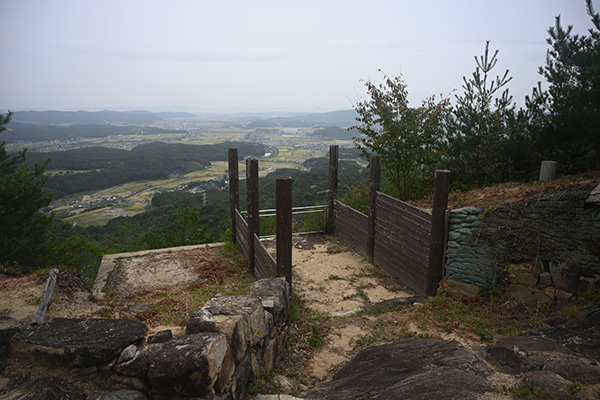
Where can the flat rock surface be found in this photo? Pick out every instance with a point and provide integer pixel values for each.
(581, 335)
(80, 342)
(412, 368)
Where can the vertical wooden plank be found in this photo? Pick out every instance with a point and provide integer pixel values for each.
(441, 187)
(374, 183)
(234, 189)
(284, 227)
(333, 184)
(252, 199)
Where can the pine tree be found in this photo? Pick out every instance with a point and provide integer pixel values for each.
(484, 128)
(23, 203)
(569, 111)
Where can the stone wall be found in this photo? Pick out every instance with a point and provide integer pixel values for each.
(227, 343)
(541, 250)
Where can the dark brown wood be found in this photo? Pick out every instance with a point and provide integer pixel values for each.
(234, 188)
(242, 234)
(253, 211)
(265, 265)
(441, 187)
(351, 226)
(417, 212)
(46, 296)
(402, 237)
(374, 183)
(283, 196)
(333, 184)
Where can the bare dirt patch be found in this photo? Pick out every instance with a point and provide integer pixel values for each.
(21, 297)
(333, 278)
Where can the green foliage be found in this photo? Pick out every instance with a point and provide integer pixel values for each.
(486, 143)
(407, 139)
(23, 202)
(187, 228)
(357, 197)
(568, 113)
(29, 239)
(525, 391)
(590, 299)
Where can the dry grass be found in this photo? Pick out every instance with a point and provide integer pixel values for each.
(218, 273)
(500, 194)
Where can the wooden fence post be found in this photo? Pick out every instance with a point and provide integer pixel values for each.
(333, 184)
(252, 199)
(284, 228)
(441, 186)
(234, 189)
(46, 296)
(374, 184)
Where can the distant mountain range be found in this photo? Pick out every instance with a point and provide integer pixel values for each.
(97, 117)
(343, 118)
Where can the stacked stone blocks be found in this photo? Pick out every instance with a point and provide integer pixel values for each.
(542, 250)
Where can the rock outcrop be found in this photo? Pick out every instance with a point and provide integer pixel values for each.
(77, 342)
(412, 368)
(228, 343)
(560, 362)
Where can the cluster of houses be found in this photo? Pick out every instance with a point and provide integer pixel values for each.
(91, 203)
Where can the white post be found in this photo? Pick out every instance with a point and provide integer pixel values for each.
(548, 171)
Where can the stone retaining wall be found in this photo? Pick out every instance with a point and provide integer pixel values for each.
(227, 343)
(541, 250)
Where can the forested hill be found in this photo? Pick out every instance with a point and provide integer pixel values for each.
(36, 132)
(86, 117)
(96, 168)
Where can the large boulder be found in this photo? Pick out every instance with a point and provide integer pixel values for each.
(187, 365)
(413, 368)
(240, 318)
(77, 342)
(275, 297)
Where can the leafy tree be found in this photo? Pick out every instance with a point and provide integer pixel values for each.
(569, 111)
(23, 202)
(407, 139)
(484, 128)
(187, 228)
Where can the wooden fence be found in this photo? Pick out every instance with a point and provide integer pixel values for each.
(402, 234)
(407, 242)
(351, 226)
(404, 240)
(246, 232)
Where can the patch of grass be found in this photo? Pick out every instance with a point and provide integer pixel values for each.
(334, 278)
(590, 299)
(308, 330)
(362, 294)
(383, 330)
(265, 385)
(479, 318)
(526, 391)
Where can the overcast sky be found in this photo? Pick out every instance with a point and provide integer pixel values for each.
(261, 55)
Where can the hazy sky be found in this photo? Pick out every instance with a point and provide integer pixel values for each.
(261, 55)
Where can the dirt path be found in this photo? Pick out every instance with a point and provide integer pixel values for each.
(335, 280)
